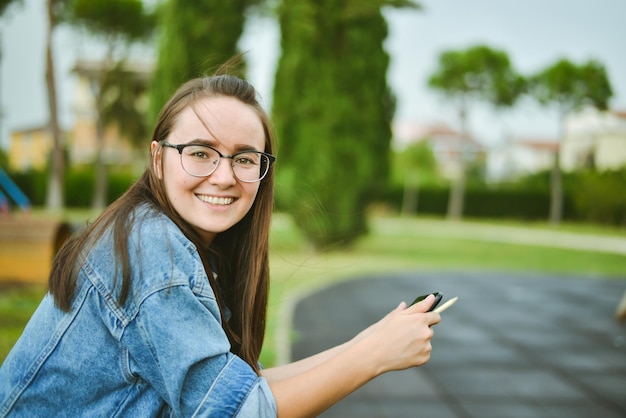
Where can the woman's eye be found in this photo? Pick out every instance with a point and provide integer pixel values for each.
(247, 159)
(244, 161)
(200, 155)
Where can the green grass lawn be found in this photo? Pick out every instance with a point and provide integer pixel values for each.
(17, 304)
(394, 244)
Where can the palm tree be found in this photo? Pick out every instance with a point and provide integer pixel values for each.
(4, 5)
(117, 23)
(568, 87)
(56, 192)
(478, 73)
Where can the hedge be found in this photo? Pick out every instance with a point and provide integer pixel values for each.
(589, 196)
(79, 185)
(486, 203)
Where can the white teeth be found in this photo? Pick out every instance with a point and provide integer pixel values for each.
(216, 200)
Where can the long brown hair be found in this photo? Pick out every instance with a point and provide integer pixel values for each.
(240, 254)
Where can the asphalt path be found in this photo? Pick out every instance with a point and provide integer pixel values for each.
(514, 345)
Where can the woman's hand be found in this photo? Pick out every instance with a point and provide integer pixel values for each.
(401, 339)
(398, 341)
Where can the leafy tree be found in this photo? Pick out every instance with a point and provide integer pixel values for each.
(332, 107)
(478, 73)
(196, 37)
(568, 87)
(4, 5)
(118, 23)
(124, 102)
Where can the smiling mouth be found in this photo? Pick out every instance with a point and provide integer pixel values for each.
(223, 201)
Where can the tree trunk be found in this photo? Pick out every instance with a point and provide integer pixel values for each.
(97, 88)
(55, 196)
(556, 192)
(556, 181)
(456, 200)
(457, 194)
(410, 194)
(100, 187)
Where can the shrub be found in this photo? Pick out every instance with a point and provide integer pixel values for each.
(601, 197)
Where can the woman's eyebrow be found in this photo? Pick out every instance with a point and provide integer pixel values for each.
(245, 147)
(204, 141)
(215, 143)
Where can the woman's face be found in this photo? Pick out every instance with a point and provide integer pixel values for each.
(214, 203)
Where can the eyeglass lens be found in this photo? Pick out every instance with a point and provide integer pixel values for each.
(202, 161)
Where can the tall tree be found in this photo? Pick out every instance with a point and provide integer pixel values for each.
(478, 73)
(117, 23)
(56, 189)
(568, 87)
(124, 102)
(196, 37)
(333, 109)
(4, 6)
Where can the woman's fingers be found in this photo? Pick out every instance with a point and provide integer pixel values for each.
(423, 305)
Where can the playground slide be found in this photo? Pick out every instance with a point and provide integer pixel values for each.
(14, 192)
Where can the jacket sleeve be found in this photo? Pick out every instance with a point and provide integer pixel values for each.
(177, 344)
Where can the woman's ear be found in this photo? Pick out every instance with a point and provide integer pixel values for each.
(157, 159)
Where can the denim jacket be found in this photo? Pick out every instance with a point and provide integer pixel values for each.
(162, 353)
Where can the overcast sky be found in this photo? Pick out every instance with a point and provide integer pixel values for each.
(535, 33)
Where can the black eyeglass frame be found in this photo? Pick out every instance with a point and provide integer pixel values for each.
(180, 147)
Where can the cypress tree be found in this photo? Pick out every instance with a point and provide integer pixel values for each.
(197, 36)
(333, 109)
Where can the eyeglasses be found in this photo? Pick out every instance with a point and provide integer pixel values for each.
(202, 160)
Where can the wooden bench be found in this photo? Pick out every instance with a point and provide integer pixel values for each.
(27, 247)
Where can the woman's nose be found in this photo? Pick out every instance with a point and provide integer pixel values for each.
(223, 174)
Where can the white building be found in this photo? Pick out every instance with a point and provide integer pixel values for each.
(520, 157)
(447, 144)
(594, 139)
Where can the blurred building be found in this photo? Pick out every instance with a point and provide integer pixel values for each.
(594, 139)
(519, 157)
(449, 147)
(83, 139)
(30, 148)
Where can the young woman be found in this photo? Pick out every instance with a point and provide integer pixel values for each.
(158, 308)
